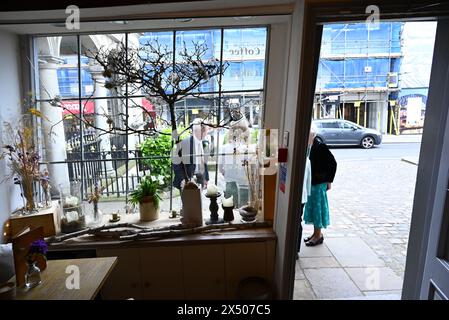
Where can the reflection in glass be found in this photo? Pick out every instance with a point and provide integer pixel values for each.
(105, 139)
(244, 50)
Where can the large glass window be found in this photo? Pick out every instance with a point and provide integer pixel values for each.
(76, 143)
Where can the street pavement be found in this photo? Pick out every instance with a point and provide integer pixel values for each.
(384, 151)
(372, 198)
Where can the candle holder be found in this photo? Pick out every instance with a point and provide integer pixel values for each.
(228, 215)
(213, 207)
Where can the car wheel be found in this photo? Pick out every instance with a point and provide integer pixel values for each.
(367, 142)
(320, 140)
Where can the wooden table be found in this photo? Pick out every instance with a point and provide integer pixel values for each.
(93, 273)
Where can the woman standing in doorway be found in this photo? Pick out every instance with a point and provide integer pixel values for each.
(316, 210)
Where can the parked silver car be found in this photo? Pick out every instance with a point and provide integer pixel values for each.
(343, 132)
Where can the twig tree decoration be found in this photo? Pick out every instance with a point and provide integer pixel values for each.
(164, 78)
(153, 71)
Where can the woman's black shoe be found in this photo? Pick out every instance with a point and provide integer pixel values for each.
(308, 238)
(312, 243)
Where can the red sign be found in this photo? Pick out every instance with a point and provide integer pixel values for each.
(73, 107)
(147, 105)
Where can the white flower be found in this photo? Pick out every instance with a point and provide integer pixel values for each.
(174, 79)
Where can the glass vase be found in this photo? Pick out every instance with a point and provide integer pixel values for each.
(33, 275)
(72, 218)
(97, 214)
(47, 198)
(28, 195)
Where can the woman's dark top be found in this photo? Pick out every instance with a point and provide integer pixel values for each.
(322, 162)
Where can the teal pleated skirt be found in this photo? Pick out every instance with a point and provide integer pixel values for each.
(316, 210)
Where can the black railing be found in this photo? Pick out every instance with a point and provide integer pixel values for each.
(108, 168)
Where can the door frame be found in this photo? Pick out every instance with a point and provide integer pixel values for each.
(317, 13)
(432, 178)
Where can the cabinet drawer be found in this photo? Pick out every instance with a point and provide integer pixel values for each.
(244, 260)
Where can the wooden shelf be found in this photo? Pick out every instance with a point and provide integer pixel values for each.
(47, 218)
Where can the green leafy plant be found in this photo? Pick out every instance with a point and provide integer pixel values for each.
(148, 187)
(160, 146)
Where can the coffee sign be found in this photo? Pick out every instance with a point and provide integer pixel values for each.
(245, 51)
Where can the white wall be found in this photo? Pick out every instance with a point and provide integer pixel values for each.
(10, 109)
(288, 123)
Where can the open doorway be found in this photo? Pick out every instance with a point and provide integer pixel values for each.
(370, 83)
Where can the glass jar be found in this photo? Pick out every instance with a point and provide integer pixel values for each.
(72, 218)
(28, 194)
(33, 275)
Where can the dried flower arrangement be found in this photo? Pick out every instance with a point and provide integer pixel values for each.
(252, 171)
(23, 158)
(94, 198)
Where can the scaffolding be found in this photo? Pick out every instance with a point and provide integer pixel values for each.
(359, 68)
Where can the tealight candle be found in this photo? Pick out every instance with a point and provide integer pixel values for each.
(71, 201)
(212, 190)
(72, 216)
(228, 202)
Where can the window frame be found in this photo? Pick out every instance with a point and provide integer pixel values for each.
(81, 97)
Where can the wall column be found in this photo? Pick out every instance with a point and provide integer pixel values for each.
(384, 117)
(52, 124)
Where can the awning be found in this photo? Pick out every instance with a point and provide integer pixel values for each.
(73, 107)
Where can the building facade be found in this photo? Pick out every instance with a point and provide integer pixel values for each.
(358, 74)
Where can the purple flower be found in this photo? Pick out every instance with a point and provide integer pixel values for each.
(38, 247)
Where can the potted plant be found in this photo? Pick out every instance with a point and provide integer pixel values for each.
(148, 198)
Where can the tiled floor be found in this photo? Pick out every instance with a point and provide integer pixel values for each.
(344, 268)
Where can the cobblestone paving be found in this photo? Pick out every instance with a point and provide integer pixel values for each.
(373, 199)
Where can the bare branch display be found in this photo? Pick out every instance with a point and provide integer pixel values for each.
(127, 231)
(161, 76)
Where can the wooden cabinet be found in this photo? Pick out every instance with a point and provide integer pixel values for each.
(191, 271)
(125, 280)
(204, 272)
(162, 273)
(244, 260)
